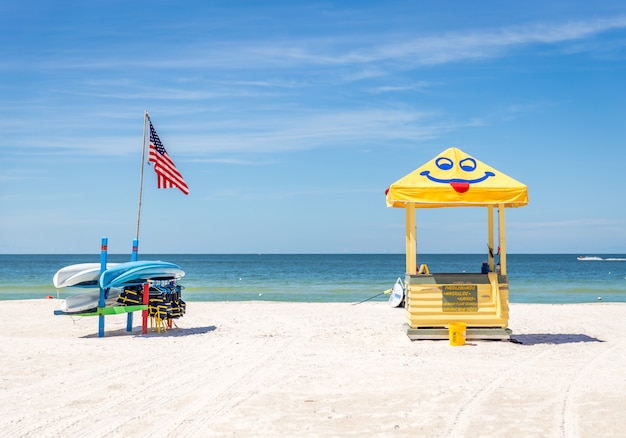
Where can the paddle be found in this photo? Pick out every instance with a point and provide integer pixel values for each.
(388, 291)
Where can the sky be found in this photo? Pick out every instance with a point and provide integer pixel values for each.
(288, 120)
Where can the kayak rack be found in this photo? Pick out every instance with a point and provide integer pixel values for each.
(102, 310)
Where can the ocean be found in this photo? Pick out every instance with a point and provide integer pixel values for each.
(533, 278)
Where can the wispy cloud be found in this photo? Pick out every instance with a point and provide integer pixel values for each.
(332, 128)
(415, 51)
(459, 46)
(248, 194)
(395, 51)
(248, 70)
(233, 161)
(417, 86)
(269, 132)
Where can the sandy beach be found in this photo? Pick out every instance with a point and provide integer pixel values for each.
(310, 369)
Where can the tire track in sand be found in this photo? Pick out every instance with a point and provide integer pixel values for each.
(569, 420)
(558, 401)
(472, 407)
(173, 385)
(240, 386)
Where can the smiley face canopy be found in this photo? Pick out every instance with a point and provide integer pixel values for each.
(456, 179)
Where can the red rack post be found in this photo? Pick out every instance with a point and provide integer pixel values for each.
(144, 313)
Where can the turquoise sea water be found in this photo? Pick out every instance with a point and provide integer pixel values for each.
(533, 278)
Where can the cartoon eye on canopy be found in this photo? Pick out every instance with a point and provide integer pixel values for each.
(456, 179)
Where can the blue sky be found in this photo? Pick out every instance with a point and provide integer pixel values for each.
(288, 120)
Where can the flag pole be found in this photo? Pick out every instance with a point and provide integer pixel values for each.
(146, 117)
(133, 255)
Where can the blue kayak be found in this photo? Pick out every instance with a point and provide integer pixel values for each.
(133, 273)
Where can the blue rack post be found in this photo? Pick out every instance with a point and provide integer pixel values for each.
(133, 255)
(103, 267)
(133, 258)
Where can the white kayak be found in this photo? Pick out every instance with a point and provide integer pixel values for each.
(89, 300)
(79, 275)
(397, 294)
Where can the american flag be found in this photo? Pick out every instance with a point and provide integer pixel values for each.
(167, 175)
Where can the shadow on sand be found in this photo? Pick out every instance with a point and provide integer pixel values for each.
(552, 338)
(171, 333)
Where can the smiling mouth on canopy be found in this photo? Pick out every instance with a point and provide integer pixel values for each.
(459, 185)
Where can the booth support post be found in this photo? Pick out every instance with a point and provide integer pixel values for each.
(502, 229)
(411, 248)
(490, 238)
(103, 267)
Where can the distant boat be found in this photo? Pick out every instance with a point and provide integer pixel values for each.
(600, 259)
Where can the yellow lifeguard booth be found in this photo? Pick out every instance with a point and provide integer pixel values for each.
(434, 300)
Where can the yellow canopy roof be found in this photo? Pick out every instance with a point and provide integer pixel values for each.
(456, 179)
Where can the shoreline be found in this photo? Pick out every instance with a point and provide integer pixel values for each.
(253, 297)
(258, 368)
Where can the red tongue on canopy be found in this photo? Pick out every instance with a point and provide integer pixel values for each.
(460, 187)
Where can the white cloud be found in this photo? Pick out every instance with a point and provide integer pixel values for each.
(394, 52)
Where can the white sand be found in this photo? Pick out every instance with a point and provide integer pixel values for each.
(302, 369)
